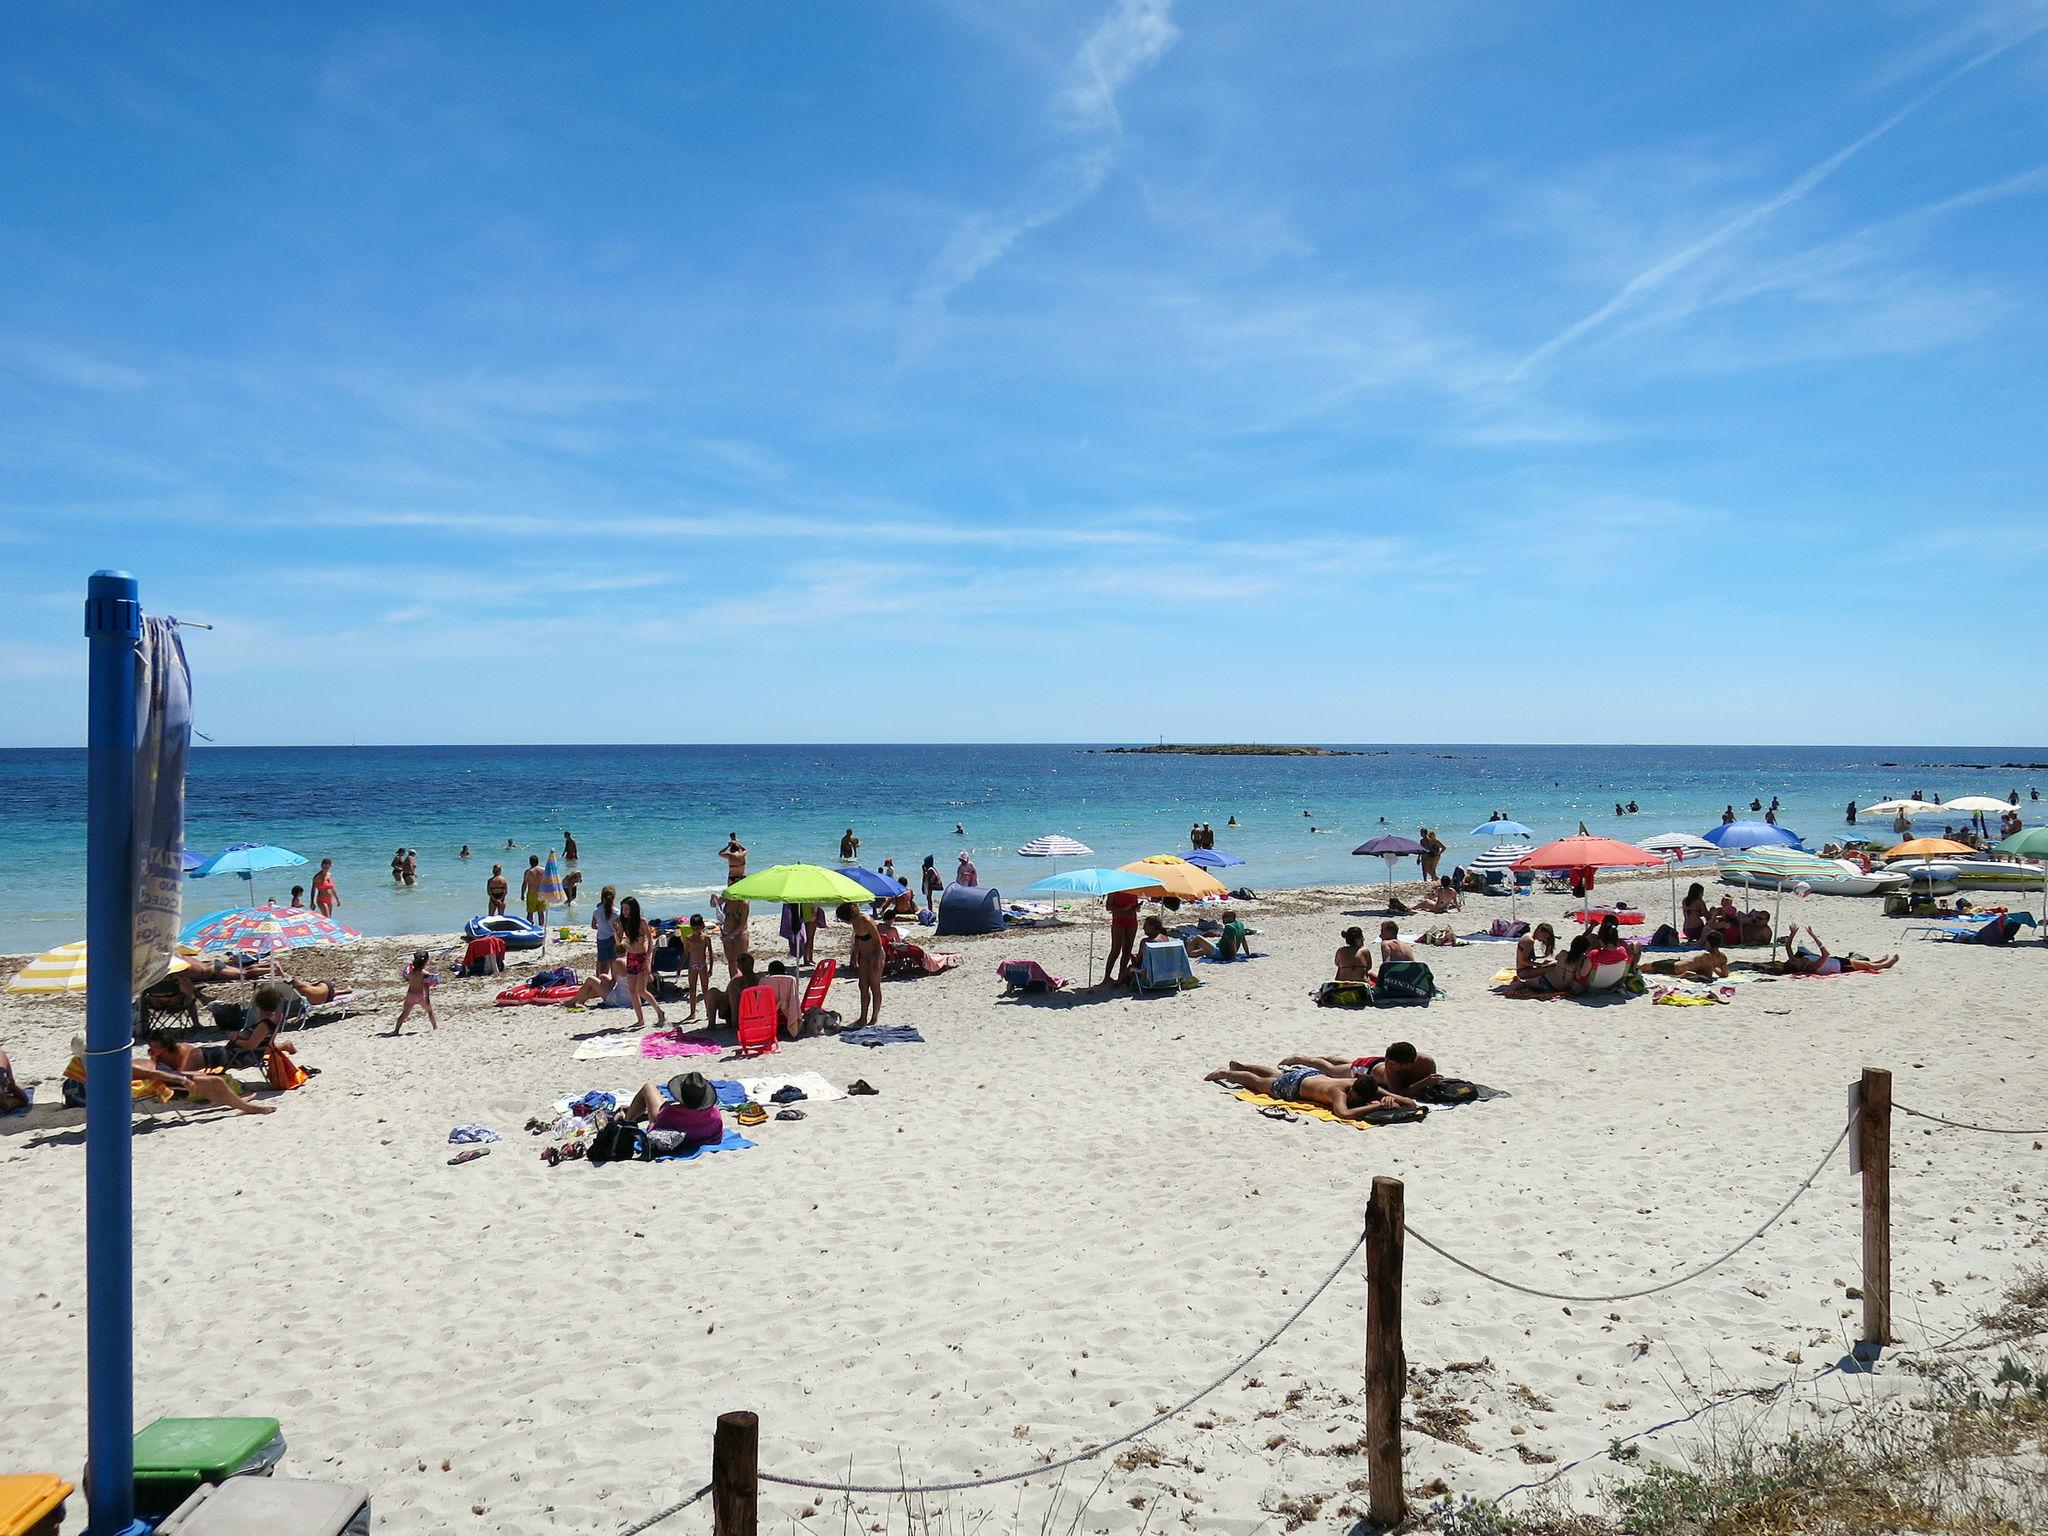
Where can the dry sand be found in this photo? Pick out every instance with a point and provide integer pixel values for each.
(1045, 1228)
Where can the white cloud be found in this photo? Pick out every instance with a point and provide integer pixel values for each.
(1134, 36)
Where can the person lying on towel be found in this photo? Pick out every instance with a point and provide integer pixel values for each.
(1709, 964)
(1402, 1070)
(1804, 962)
(1346, 1097)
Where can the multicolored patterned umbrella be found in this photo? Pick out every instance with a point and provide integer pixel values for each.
(551, 883)
(263, 930)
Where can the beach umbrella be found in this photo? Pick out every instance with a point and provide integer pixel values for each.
(1175, 876)
(1389, 847)
(2031, 843)
(551, 882)
(875, 884)
(1501, 829)
(1502, 856)
(799, 885)
(264, 930)
(191, 860)
(1090, 882)
(1054, 846)
(1583, 855)
(245, 859)
(1977, 807)
(1675, 846)
(1749, 834)
(1213, 858)
(1906, 807)
(60, 970)
(1782, 868)
(1926, 850)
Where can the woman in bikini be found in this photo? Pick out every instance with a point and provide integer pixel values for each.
(866, 960)
(1693, 914)
(325, 897)
(1354, 958)
(636, 937)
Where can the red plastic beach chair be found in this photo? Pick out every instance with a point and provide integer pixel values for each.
(821, 983)
(758, 1014)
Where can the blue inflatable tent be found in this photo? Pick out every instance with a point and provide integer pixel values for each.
(970, 909)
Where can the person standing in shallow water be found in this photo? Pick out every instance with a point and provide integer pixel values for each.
(325, 897)
(568, 845)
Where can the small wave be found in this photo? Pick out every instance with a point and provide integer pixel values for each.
(669, 892)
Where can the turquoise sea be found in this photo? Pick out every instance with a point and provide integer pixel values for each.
(650, 819)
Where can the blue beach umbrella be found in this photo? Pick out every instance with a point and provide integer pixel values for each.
(1091, 882)
(245, 859)
(1750, 834)
(192, 860)
(1212, 858)
(868, 880)
(1501, 829)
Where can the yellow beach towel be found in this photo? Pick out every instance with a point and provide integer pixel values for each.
(1306, 1111)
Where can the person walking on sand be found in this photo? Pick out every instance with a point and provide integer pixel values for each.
(419, 992)
(568, 845)
(536, 899)
(866, 961)
(636, 943)
(735, 855)
(325, 897)
(496, 889)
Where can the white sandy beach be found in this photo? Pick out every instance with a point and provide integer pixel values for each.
(1044, 1229)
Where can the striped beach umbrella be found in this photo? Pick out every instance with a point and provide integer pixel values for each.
(1502, 856)
(58, 970)
(264, 930)
(551, 883)
(1054, 846)
(1676, 848)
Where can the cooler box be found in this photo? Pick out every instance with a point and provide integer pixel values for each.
(271, 1506)
(175, 1456)
(32, 1505)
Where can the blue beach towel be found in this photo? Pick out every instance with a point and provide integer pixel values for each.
(470, 1133)
(882, 1034)
(732, 1141)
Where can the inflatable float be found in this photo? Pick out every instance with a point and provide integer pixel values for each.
(512, 997)
(517, 932)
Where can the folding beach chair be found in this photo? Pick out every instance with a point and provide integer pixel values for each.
(1028, 976)
(760, 1011)
(1163, 966)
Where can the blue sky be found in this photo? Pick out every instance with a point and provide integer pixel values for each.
(1005, 370)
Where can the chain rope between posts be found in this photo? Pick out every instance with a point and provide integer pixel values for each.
(674, 1509)
(1529, 1290)
(1095, 1450)
(1963, 1125)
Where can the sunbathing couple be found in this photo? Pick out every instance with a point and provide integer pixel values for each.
(1354, 955)
(1348, 1089)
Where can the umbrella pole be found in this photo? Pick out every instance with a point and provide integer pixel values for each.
(1671, 868)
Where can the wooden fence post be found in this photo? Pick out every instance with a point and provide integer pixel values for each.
(1874, 1144)
(735, 1465)
(1386, 1365)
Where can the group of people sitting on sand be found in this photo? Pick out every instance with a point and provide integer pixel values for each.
(1541, 970)
(1350, 1089)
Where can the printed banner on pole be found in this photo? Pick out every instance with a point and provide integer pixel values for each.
(163, 739)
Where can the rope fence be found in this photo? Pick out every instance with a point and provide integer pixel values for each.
(735, 1472)
(1963, 1125)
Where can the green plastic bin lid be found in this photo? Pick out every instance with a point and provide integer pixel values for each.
(200, 1447)
(269, 1506)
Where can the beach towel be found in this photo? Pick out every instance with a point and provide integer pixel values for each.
(660, 1045)
(1683, 994)
(810, 1084)
(608, 1045)
(882, 1034)
(465, 1134)
(512, 997)
(732, 1141)
(1317, 1112)
(731, 1093)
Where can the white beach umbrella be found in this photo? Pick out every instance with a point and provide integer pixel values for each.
(1054, 846)
(1502, 856)
(1676, 848)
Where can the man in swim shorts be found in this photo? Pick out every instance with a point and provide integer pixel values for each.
(1392, 945)
(1346, 1097)
(529, 887)
(1710, 964)
(1402, 1070)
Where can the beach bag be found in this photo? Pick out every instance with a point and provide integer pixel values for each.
(617, 1142)
(557, 976)
(1405, 981)
(1344, 994)
(1666, 937)
(230, 1016)
(282, 1072)
(1439, 936)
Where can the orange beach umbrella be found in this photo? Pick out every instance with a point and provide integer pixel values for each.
(1177, 877)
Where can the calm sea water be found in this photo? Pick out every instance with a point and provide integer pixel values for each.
(650, 819)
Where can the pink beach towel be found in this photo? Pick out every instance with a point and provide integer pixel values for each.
(660, 1045)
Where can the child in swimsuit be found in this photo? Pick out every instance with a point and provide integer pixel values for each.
(419, 982)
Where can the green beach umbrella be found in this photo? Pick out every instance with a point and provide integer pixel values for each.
(804, 885)
(2031, 843)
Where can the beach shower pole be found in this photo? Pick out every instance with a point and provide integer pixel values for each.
(113, 625)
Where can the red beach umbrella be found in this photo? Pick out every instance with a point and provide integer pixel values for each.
(1581, 856)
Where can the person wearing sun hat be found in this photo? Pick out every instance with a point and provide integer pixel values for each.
(683, 1120)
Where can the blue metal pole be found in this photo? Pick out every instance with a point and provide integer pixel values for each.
(113, 624)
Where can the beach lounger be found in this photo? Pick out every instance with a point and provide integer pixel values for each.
(759, 1012)
(1028, 976)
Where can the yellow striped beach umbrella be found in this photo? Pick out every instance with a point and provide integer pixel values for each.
(57, 971)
